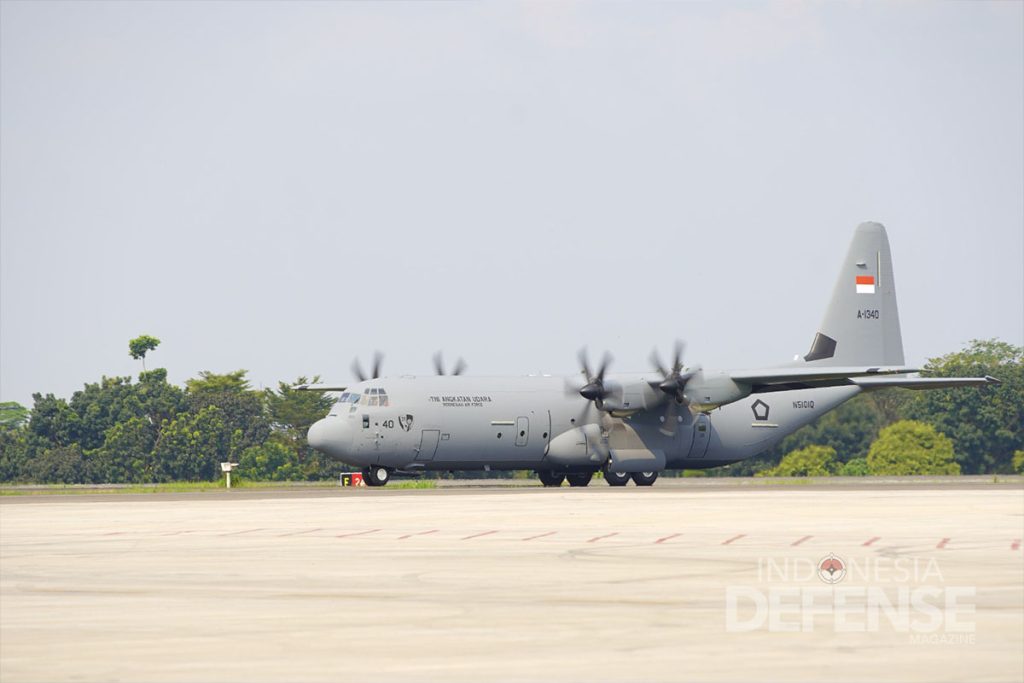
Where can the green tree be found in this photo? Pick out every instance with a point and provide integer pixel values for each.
(141, 345)
(890, 405)
(810, 461)
(53, 420)
(12, 415)
(858, 467)
(16, 452)
(213, 383)
(191, 446)
(127, 453)
(908, 447)
(1018, 462)
(271, 461)
(291, 414)
(100, 406)
(242, 410)
(159, 400)
(986, 424)
(58, 465)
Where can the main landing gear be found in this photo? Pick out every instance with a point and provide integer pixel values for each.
(644, 478)
(376, 475)
(622, 478)
(552, 478)
(579, 478)
(616, 478)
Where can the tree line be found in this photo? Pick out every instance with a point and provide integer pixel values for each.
(148, 430)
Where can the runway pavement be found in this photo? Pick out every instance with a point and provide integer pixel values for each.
(680, 583)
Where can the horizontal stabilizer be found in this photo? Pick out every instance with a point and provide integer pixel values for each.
(924, 382)
(808, 377)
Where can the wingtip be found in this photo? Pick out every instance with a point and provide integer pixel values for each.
(992, 380)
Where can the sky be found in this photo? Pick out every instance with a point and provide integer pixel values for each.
(284, 187)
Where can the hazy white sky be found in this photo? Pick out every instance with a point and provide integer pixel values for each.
(283, 186)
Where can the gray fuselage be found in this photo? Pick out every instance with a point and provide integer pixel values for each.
(541, 422)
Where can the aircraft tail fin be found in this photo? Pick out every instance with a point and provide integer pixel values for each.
(862, 323)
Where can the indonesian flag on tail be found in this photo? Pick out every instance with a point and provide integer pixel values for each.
(865, 284)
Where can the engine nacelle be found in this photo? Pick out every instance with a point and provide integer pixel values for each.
(586, 445)
(629, 394)
(705, 392)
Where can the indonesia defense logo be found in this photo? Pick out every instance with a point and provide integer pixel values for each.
(831, 569)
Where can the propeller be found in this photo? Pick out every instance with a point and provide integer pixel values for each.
(594, 389)
(357, 369)
(673, 383)
(460, 365)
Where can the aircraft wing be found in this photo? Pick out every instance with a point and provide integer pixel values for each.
(318, 387)
(787, 379)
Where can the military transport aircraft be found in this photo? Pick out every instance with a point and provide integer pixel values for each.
(628, 426)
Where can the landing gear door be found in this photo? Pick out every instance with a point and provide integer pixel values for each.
(428, 444)
(701, 436)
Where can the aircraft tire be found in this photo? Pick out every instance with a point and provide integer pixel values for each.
(376, 475)
(644, 478)
(579, 478)
(549, 478)
(616, 478)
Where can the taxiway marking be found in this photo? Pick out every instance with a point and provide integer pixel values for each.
(357, 533)
(734, 538)
(482, 533)
(418, 533)
(299, 533)
(598, 538)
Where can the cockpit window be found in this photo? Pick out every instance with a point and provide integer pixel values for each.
(348, 398)
(375, 396)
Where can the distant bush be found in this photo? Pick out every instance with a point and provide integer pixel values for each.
(858, 467)
(1018, 462)
(812, 461)
(908, 448)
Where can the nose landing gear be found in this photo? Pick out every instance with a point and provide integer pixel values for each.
(376, 475)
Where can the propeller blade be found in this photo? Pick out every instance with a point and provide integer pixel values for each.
(460, 367)
(606, 360)
(582, 356)
(378, 357)
(656, 363)
(357, 370)
(677, 356)
(438, 363)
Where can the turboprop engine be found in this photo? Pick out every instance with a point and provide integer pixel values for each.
(703, 393)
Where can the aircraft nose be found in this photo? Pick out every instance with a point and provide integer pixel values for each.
(331, 436)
